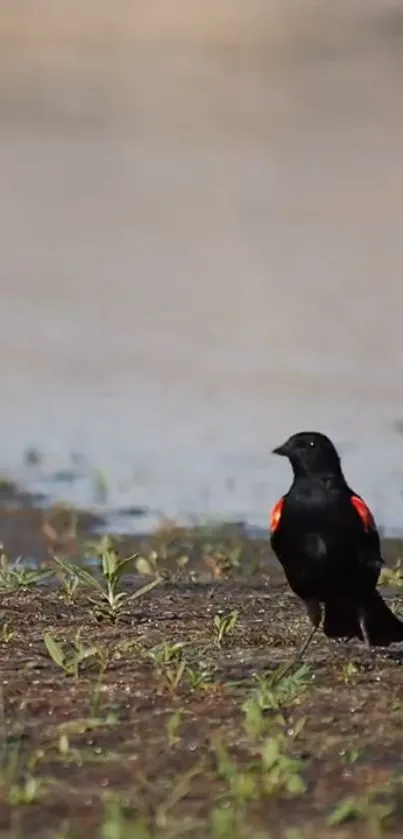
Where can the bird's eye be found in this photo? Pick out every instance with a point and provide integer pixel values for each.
(312, 442)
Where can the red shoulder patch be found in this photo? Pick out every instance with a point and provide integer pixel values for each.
(363, 511)
(275, 514)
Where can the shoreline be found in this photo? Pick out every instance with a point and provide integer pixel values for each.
(31, 522)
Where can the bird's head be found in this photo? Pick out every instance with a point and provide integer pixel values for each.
(310, 452)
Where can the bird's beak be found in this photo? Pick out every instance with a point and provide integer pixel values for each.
(281, 450)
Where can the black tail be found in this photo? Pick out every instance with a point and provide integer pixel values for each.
(381, 625)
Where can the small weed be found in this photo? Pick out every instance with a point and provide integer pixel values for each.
(15, 575)
(280, 772)
(179, 791)
(81, 726)
(116, 824)
(227, 823)
(71, 658)
(277, 690)
(224, 823)
(272, 694)
(174, 675)
(27, 791)
(148, 565)
(374, 808)
(199, 677)
(397, 708)
(173, 667)
(108, 602)
(272, 773)
(221, 561)
(166, 653)
(18, 784)
(6, 634)
(350, 756)
(242, 784)
(69, 577)
(392, 576)
(172, 727)
(224, 625)
(349, 672)
(170, 664)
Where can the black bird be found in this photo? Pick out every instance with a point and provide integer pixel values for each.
(326, 539)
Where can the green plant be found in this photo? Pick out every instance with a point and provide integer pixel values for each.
(273, 772)
(225, 624)
(392, 576)
(69, 577)
(280, 772)
(26, 791)
(173, 726)
(349, 672)
(107, 600)
(18, 784)
(199, 676)
(220, 559)
(14, 575)
(116, 824)
(6, 633)
(273, 692)
(350, 756)
(242, 784)
(170, 664)
(174, 675)
(179, 790)
(374, 808)
(226, 822)
(166, 653)
(71, 657)
(148, 565)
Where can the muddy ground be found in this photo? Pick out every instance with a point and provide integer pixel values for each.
(178, 722)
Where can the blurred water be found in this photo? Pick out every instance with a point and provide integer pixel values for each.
(202, 252)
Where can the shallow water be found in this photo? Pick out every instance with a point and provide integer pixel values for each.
(201, 253)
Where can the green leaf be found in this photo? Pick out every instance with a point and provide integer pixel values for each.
(82, 655)
(296, 785)
(299, 725)
(118, 598)
(121, 565)
(144, 567)
(344, 811)
(88, 578)
(54, 649)
(270, 752)
(109, 563)
(144, 589)
(225, 767)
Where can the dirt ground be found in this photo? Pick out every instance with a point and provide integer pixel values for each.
(172, 717)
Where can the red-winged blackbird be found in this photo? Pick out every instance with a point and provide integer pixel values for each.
(326, 540)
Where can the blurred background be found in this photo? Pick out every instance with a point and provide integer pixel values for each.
(201, 214)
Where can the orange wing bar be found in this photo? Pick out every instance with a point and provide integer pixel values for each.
(363, 511)
(275, 515)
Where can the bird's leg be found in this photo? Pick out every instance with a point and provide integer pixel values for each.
(363, 627)
(300, 652)
(315, 616)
